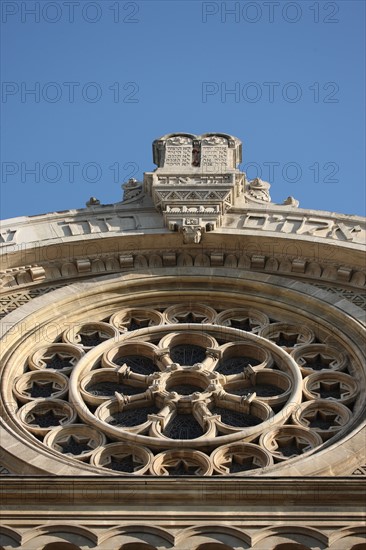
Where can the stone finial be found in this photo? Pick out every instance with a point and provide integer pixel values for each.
(131, 189)
(93, 201)
(258, 190)
(290, 201)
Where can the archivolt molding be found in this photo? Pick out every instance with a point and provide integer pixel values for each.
(295, 533)
(186, 538)
(201, 379)
(61, 532)
(297, 261)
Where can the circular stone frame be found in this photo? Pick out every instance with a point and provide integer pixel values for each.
(341, 456)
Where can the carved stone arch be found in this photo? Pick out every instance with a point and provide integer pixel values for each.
(194, 537)
(111, 264)
(330, 273)
(252, 289)
(98, 266)
(358, 278)
(213, 546)
(231, 261)
(137, 546)
(305, 537)
(68, 270)
(7, 281)
(73, 534)
(155, 261)
(244, 262)
(271, 264)
(23, 278)
(140, 261)
(61, 546)
(355, 536)
(313, 269)
(184, 260)
(285, 265)
(136, 534)
(52, 272)
(10, 537)
(290, 546)
(202, 260)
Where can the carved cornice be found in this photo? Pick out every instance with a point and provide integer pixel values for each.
(24, 233)
(57, 272)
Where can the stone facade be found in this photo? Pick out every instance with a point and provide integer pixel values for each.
(184, 369)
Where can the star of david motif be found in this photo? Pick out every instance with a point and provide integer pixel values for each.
(289, 445)
(321, 419)
(318, 361)
(75, 445)
(46, 418)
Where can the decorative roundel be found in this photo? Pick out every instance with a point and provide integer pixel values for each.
(183, 390)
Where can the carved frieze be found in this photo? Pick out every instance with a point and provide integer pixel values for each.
(300, 224)
(7, 236)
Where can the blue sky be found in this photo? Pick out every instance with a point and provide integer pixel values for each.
(110, 76)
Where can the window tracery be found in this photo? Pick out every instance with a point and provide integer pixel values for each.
(234, 391)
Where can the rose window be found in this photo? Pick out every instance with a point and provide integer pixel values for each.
(184, 390)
